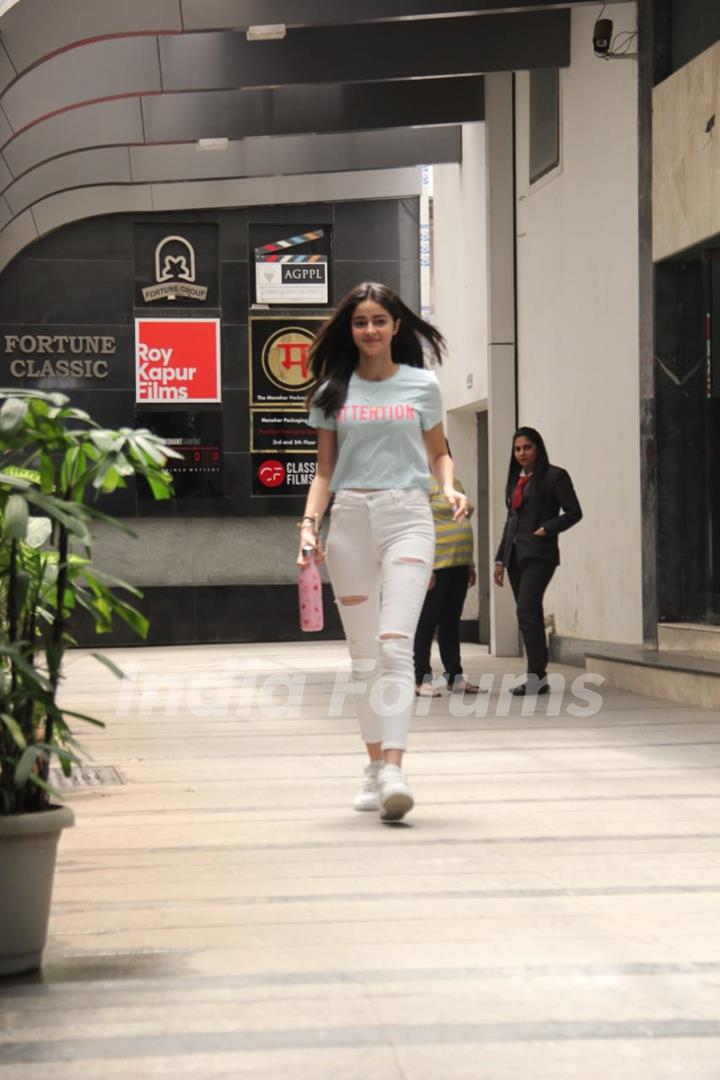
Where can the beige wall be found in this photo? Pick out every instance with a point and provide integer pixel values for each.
(460, 270)
(459, 309)
(686, 157)
(577, 285)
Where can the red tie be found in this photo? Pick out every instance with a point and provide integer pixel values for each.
(517, 495)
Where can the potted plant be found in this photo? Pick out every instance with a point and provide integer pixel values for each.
(55, 462)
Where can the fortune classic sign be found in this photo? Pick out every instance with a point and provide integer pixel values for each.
(52, 356)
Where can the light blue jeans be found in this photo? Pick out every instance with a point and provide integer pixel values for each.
(380, 553)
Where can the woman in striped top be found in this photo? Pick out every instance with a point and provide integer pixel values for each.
(453, 574)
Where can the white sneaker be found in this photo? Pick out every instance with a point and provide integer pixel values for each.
(396, 798)
(368, 797)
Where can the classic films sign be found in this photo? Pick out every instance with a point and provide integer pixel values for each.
(286, 475)
(177, 360)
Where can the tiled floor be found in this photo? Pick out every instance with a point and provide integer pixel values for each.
(550, 910)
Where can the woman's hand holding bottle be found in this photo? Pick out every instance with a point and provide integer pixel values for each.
(309, 539)
(458, 502)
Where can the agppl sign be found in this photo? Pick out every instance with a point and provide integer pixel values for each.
(177, 360)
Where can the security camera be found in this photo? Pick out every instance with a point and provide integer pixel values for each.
(602, 36)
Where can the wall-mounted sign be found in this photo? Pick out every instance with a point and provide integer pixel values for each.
(279, 372)
(197, 435)
(292, 280)
(281, 431)
(177, 360)
(292, 269)
(282, 475)
(176, 264)
(175, 272)
(283, 447)
(54, 356)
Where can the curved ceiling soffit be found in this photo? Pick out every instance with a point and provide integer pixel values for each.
(131, 160)
(33, 30)
(282, 156)
(65, 207)
(127, 69)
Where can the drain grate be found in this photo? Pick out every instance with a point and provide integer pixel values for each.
(83, 776)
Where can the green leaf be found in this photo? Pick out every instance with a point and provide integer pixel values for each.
(47, 788)
(148, 444)
(67, 470)
(106, 441)
(66, 761)
(131, 616)
(15, 518)
(77, 414)
(101, 613)
(102, 579)
(69, 600)
(12, 416)
(23, 582)
(47, 473)
(109, 665)
(15, 730)
(160, 485)
(123, 466)
(21, 473)
(34, 679)
(82, 716)
(25, 765)
(93, 512)
(38, 531)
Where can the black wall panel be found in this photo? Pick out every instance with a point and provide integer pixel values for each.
(87, 279)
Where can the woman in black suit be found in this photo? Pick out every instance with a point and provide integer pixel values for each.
(541, 503)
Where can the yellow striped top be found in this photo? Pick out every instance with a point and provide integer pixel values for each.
(453, 539)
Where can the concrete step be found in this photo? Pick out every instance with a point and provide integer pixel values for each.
(684, 677)
(699, 638)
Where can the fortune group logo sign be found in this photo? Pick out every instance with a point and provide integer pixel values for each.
(175, 272)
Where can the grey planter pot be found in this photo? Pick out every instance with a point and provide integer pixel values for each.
(28, 843)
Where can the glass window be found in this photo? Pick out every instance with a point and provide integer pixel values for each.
(544, 122)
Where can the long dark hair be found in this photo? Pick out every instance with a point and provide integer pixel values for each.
(333, 356)
(541, 462)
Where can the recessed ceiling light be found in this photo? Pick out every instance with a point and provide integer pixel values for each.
(267, 32)
(212, 144)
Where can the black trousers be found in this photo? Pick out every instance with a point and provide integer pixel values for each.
(441, 611)
(529, 580)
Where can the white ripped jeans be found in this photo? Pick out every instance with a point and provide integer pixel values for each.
(380, 551)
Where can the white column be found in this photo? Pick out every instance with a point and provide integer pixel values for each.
(504, 637)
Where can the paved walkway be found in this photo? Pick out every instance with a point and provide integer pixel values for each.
(549, 911)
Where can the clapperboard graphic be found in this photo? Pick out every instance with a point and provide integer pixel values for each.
(291, 279)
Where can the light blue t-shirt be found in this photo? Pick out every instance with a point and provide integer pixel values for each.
(379, 430)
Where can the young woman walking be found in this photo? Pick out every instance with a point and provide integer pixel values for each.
(378, 414)
(541, 503)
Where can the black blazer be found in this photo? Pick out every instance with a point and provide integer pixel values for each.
(544, 498)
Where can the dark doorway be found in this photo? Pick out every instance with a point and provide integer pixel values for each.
(687, 384)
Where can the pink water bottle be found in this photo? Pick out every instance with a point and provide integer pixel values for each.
(310, 593)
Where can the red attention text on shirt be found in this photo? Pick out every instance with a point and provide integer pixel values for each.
(375, 412)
